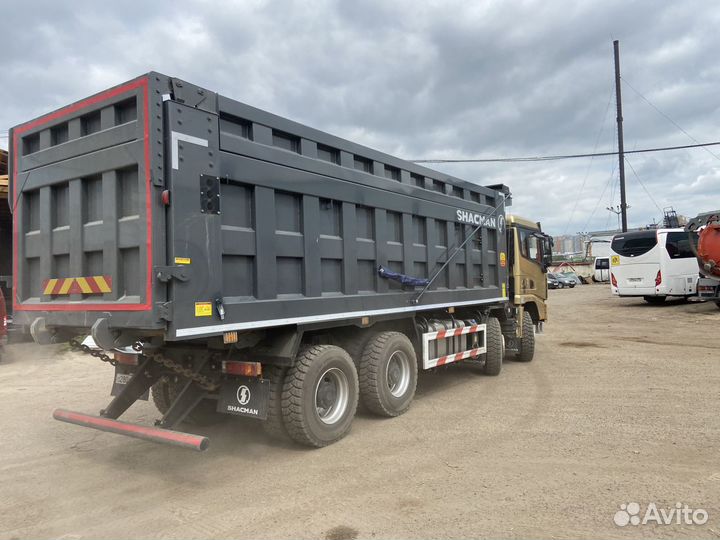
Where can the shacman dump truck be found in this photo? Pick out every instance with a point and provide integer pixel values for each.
(708, 254)
(256, 266)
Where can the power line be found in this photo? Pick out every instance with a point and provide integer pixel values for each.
(673, 122)
(643, 186)
(565, 156)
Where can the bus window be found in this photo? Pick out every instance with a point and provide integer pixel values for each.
(678, 245)
(634, 244)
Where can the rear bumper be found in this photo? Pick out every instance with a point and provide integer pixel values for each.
(153, 434)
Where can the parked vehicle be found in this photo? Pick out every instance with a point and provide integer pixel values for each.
(262, 267)
(552, 282)
(707, 226)
(572, 277)
(602, 270)
(563, 281)
(654, 264)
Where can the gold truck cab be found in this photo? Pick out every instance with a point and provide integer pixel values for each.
(530, 253)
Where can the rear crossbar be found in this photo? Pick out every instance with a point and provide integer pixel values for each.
(153, 434)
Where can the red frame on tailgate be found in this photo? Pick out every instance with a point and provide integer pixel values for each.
(61, 113)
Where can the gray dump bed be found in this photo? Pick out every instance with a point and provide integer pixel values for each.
(265, 221)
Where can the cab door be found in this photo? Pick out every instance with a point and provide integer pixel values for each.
(530, 278)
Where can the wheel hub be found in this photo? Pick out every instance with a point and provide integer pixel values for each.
(332, 395)
(398, 374)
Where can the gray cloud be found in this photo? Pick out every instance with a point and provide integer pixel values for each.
(419, 80)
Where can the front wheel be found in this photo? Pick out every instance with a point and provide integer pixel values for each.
(495, 347)
(526, 351)
(388, 374)
(320, 396)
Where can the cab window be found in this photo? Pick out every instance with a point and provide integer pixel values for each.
(529, 245)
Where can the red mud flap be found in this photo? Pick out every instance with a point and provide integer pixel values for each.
(158, 435)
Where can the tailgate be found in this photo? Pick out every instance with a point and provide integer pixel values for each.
(87, 219)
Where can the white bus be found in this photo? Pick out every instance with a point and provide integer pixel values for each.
(654, 264)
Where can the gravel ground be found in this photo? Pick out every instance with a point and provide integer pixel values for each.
(620, 405)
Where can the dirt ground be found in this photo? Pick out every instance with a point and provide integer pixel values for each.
(620, 405)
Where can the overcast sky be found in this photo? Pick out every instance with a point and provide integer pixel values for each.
(437, 79)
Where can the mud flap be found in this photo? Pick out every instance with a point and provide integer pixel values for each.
(245, 396)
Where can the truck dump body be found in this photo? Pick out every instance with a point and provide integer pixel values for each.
(166, 208)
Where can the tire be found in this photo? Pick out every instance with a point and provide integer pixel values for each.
(388, 374)
(164, 393)
(527, 341)
(654, 299)
(354, 340)
(320, 396)
(495, 346)
(274, 425)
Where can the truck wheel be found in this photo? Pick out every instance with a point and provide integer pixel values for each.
(495, 346)
(274, 425)
(527, 341)
(320, 396)
(388, 374)
(164, 393)
(353, 340)
(654, 299)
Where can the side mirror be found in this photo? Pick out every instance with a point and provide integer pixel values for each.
(547, 244)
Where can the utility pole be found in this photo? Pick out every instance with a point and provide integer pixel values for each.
(621, 148)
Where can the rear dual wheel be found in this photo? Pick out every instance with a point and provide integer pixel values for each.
(388, 374)
(320, 396)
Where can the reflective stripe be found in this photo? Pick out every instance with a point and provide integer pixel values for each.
(102, 284)
(84, 287)
(219, 328)
(65, 287)
(50, 285)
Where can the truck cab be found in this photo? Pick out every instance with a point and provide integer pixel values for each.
(530, 256)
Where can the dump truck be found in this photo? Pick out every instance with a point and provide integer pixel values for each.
(228, 261)
(707, 227)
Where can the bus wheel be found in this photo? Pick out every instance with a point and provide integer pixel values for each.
(495, 347)
(526, 350)
(388, 374)
(320, 396)
(654, 299)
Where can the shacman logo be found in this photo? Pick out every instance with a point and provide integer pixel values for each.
(243, 395)
(680, 514)
(464, 216)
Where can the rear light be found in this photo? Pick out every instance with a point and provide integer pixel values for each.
(613, 280)
(125, 358)
(658, 279)
(247, 369)
(4, 321)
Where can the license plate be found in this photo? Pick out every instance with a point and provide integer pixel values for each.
(245, 396)
(123, 374)
(634, 280)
